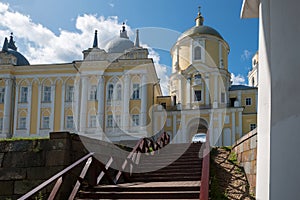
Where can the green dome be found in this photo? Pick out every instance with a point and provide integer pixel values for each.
(200, 30)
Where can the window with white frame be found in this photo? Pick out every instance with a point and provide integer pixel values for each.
(45, 122)
(197, 96)
(135, 120)
(136, 91)
(93, 121)
(70, 93)
(1, 124)
(93, 92)
(69, 122)
(248, 101)
(223, 97)
(119, 92)
(2, 94)
(117, 121)
(24, 95)
(22, 123)
(47, 94)
(110, 91)
(109, 121)
(197, 53)
(252, 127)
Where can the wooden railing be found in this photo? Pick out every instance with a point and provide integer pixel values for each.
(59, 179)
(144, 145)
(204, 188)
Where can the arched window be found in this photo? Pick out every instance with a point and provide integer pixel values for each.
(119, 92)
(110, 91)
(197, 53)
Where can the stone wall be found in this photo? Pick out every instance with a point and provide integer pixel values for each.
(25, 164)
(246, 150)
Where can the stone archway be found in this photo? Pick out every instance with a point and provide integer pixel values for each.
(197, 125)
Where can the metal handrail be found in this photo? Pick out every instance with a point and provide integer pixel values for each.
(53, 178)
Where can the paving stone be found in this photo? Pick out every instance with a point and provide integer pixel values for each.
(22, 187)
(6, 187)
(12, 174)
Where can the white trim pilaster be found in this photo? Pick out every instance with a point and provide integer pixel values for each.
(16, 109)
(28, 120)
(6, 130)
(39, 109)
(233, 127)
(240, 124)
(144, 101)
(125, 117)
(51, 123)
(83, 104)
(100, 98)
(62, 110)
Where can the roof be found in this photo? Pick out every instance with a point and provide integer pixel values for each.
(241, 87)
(200, 30)
(21, 60)
(119, 45)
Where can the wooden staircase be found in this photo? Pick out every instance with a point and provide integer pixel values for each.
(173, 172)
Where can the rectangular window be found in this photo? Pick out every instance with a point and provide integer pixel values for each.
(2, 94)
(22, 123)
(136, 91)
(135, 120)
(93, 92)
(24, 95)
(119, 92)
(109, 121)
(248, 101)
(117, 121)
(1, 124)
(197, 95)
(69, 122)
(110, 91)
(70, 93)
(252, 127)
(93, 121)
(45, 122)
(222, 97)
(47, 94)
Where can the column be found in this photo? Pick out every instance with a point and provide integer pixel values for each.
(240, 124)
(215, 103)
(16, 109)
(220, 128)
(39, 108)
(53, 88)
(62, 111)
(100, 97)
(75, 106)
(28, 120)
(175, 136)
(233, 127)
(207, 91)
(188, 93)
(126, 117)
(7, 108)
(144, 101)
(83, 104)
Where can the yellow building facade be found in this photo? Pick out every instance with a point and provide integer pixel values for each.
(114, 94)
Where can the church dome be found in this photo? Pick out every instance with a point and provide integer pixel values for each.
(200, 30)
(9, 48)
(119, 45)
(21, 60)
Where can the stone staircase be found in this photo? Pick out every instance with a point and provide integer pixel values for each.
(172, 173)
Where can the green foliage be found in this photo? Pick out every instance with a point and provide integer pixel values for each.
(232, 158)
(22, 139)
(39, 196)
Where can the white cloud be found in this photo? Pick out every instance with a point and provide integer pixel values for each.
(161, 70)
(40, 45)
(238, 79)
(246, 55)
(111, 5)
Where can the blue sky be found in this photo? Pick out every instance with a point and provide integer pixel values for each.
(60, 19)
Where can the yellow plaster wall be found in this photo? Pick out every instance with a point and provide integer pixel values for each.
(212, 52)
(247, 120)
(57, 106)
